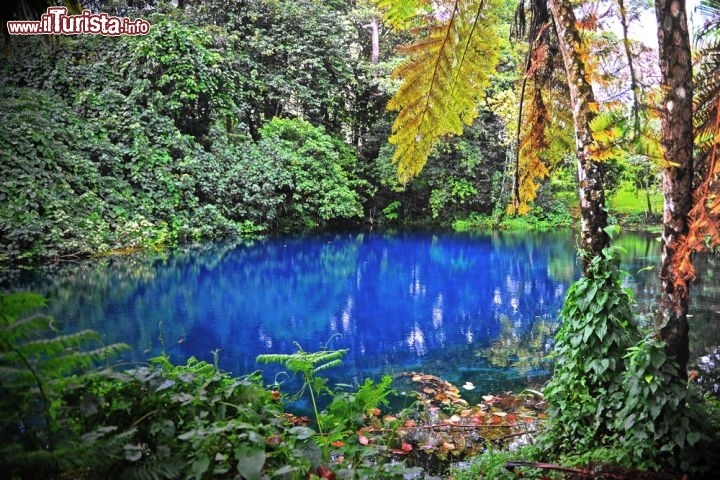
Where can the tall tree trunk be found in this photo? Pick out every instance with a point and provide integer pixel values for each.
(677, 142)
(592, 194)
(648, 196)
(375, 40)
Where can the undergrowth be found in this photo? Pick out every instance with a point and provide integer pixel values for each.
(615, 395)
(614, 399)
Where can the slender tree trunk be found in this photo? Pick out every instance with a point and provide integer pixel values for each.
(592, 194)
(648, 196)
(677, 142)
(375, 40)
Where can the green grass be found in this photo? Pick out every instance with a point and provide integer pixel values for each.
(628, 201)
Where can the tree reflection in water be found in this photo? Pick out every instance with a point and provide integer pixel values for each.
(401, 301)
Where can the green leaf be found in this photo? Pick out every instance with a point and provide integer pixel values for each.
(284, 470)
(612, 230)
(693, 438)
(200, 466)
(601, 330)
(302, 433)
(250, 461)
(629, 422)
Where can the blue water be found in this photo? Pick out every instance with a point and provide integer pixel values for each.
(445, 304)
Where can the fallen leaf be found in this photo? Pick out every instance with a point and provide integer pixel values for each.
(337, 443)
(410, 423)
(324, 472)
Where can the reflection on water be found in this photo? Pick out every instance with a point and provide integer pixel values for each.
(410, 301)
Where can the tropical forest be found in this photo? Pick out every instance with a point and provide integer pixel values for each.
(360, 239)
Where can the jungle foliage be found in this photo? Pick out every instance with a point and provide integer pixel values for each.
(70, 416)
(232, 118)
(227, 119)
(615, 395)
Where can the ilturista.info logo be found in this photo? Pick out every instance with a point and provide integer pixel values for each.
(57, 22)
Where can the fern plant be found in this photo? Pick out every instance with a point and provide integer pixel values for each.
(308, 364)
(34, 361)
(443, 75)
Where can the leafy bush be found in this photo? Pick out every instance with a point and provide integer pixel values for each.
(490, 464)
(615, 396)
(116, 143)
(320, 169)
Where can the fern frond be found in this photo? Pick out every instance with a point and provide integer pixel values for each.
(24, 329)
(326, 355)
(704, 218)
(97, 451)
(155, 468)
(403, 14)
(19, 304)
(443, 79)
(73, 361)
(273, 358)
(16, 462)
(328, 365)
(706, 93)
(531, 167)
(57, 345)
(15, 374)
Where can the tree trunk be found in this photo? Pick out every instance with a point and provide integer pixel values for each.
(375, 40)
(592, 194)
(648, 195)
(677, 142)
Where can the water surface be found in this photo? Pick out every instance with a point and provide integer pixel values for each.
(477, 308)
